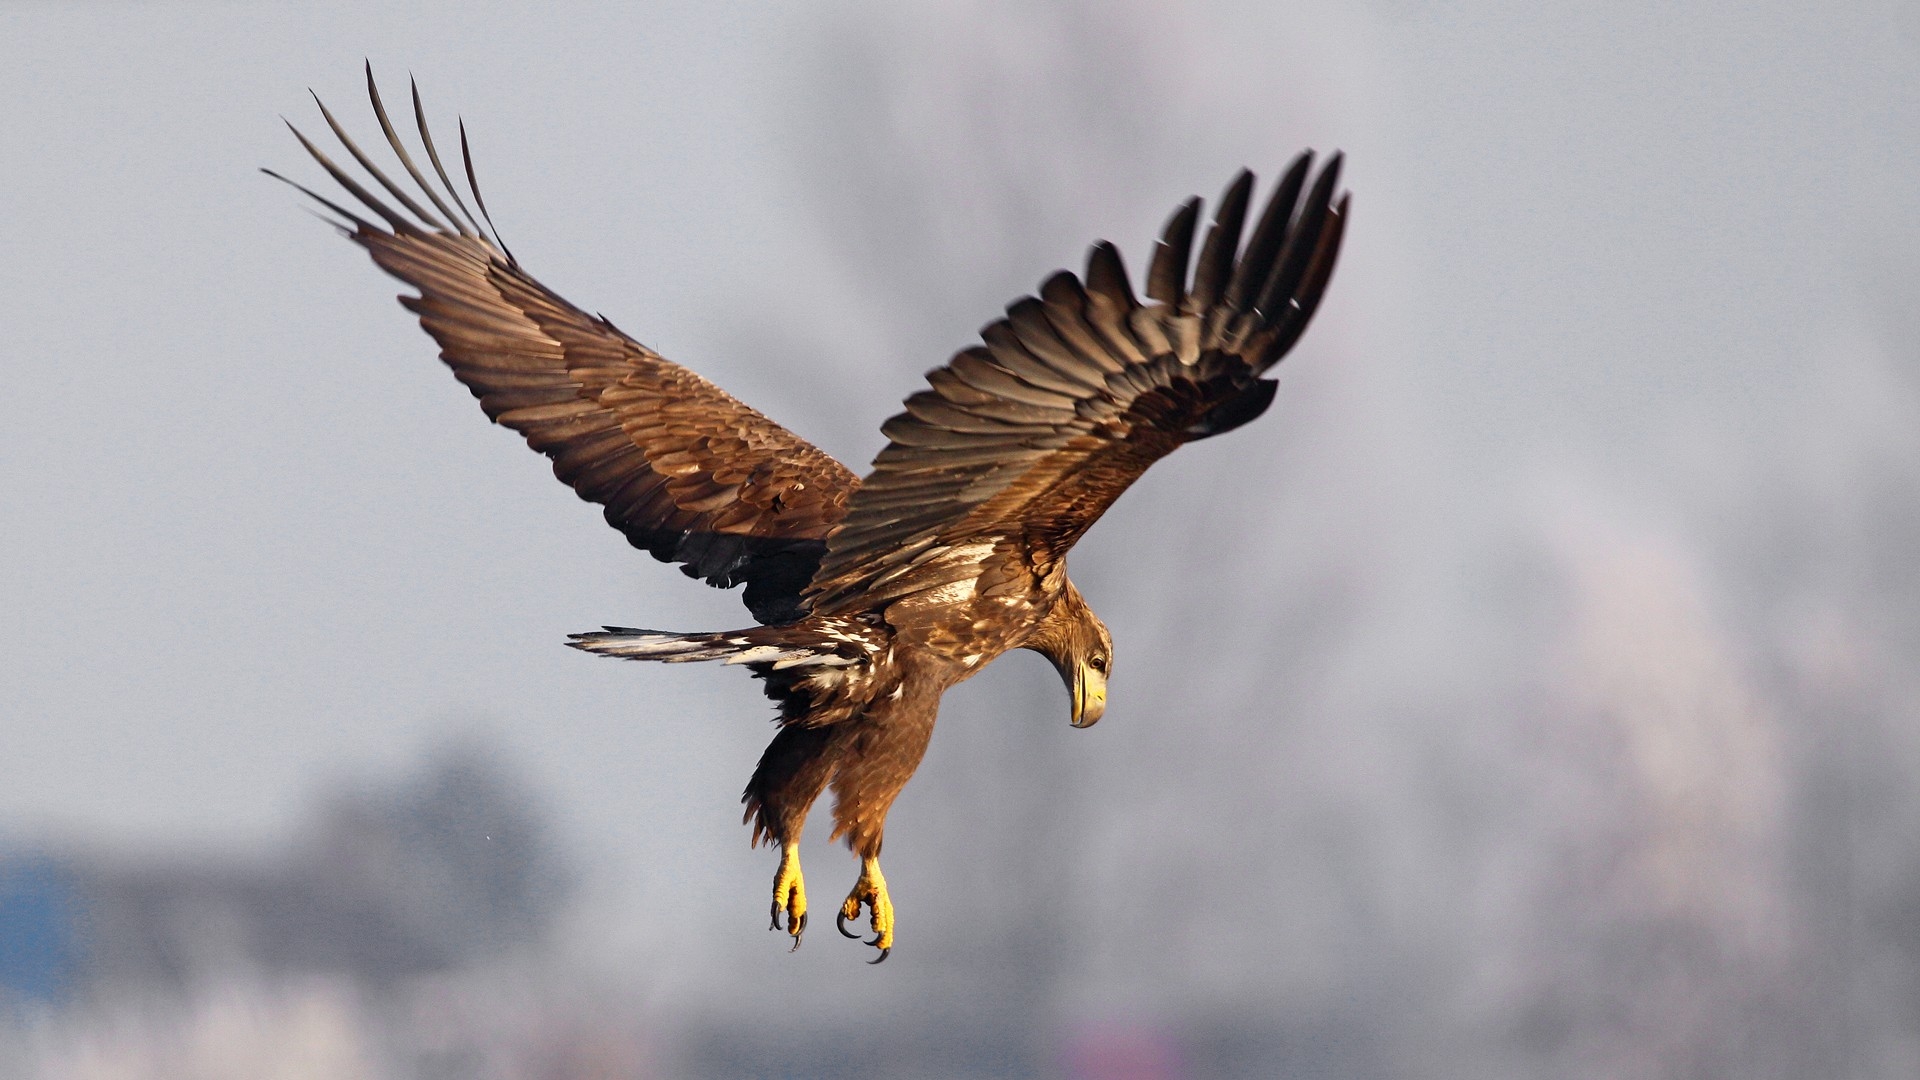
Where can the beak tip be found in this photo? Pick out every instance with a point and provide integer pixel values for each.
(1089, 701)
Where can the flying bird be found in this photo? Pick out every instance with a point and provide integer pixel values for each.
(871, 596)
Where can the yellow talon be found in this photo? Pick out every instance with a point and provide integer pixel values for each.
(871, 891)
(790, 893)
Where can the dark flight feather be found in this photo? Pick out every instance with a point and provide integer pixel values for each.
(472, 229)
(1256, 263)
(406, 159)
(1167, 273)
(1222, 243)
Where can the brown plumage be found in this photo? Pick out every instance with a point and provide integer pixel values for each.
(873, 597)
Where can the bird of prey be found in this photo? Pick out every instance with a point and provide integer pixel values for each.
(871, 596)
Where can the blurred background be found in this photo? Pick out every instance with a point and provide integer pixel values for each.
(1531, 693)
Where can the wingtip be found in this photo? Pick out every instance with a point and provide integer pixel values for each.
(1107, 274)
(1168, 269)
(473, 185)
(1235, 196)
(1330, 172)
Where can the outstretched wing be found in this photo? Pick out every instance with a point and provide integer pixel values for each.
(685, 470)
(1023, 442)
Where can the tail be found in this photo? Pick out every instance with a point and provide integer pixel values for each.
(778, 647)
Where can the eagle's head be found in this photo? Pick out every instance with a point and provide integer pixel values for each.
(1077, 642)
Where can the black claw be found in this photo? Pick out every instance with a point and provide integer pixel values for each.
(793, 927)
(884, 953)
(840, 921)
(875, 941)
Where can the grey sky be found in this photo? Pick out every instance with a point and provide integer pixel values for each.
(1628, 280)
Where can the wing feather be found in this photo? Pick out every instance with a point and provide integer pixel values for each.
(685, 470)
(1167, 274)
(1302, 240)
(975, 368)
(1066, 312)
(1256, 263)
(1223, 240)
(1024, 441)
(1008, 352)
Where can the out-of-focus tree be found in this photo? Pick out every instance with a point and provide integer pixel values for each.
(451, 864)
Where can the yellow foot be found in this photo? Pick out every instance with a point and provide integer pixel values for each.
(870, 890)
(790, 893)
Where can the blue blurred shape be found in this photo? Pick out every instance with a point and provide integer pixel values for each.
(40, 905)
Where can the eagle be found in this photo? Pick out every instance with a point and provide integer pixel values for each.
(870, 596)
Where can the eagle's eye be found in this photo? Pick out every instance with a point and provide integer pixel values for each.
(1099, 664)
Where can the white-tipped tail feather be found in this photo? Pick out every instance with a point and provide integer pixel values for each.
(736, 647)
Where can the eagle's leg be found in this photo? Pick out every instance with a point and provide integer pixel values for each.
(882, 750)
(870, 891)
(792, 773)
(790, 892)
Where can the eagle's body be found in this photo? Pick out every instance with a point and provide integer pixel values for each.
(872, 596)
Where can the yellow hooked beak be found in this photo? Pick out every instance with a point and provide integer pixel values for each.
(1089, 696)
